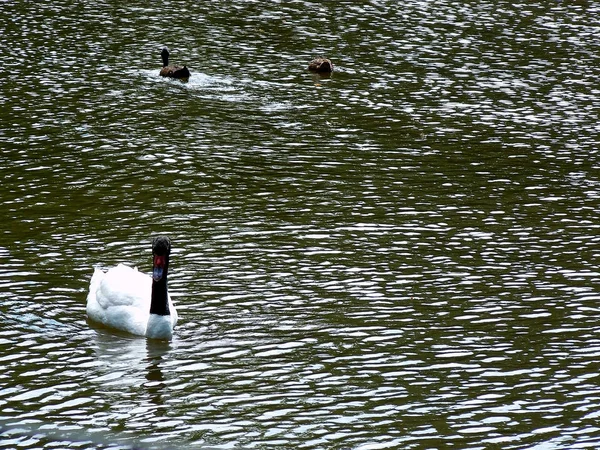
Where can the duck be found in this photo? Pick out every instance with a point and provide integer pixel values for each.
(321, 65)
(128, 300)
(179, 72)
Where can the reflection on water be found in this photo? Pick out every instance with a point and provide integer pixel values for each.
(400, 255)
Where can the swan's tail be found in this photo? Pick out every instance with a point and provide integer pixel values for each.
(96, 280)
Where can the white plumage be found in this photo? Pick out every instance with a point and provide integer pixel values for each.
(120, 298)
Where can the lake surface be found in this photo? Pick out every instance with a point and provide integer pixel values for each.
(402, 255)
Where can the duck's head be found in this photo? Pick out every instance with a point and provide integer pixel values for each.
(165, 56)
(325, 66)
(161, 249)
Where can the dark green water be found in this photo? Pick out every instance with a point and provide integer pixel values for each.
(403, 255)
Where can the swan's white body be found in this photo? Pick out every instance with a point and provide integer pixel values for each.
(120, 298)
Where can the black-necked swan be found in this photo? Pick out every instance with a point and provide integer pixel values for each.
(321, 65)
(130, 301)
(172, 71)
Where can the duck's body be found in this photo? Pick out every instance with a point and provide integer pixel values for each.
(125, 299)
(321, 65)
(172, 71)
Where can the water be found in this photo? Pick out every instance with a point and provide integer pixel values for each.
(402, 255)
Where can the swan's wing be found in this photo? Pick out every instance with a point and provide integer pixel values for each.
(124, 286)
(120, 298)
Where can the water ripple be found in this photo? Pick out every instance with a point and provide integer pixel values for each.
(400, 255)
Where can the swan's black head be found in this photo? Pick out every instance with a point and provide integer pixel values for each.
(161, 245)
(161, 249)
(165, 56)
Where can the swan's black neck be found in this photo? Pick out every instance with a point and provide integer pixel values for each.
(159, 302)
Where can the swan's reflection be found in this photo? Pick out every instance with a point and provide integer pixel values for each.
(155, 350)
(127, 362)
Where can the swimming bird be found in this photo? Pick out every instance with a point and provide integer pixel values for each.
(125, 299)
(322, 65)
(172, 71)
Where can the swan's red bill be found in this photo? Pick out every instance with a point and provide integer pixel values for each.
(159, 267)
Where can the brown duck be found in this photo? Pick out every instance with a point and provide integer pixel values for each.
(321, 65)
(172, 71)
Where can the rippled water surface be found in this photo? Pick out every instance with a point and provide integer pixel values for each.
(402, 255)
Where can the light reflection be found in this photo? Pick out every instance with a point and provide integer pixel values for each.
(394, 247)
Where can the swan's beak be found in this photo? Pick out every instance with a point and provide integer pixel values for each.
(159, 267)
